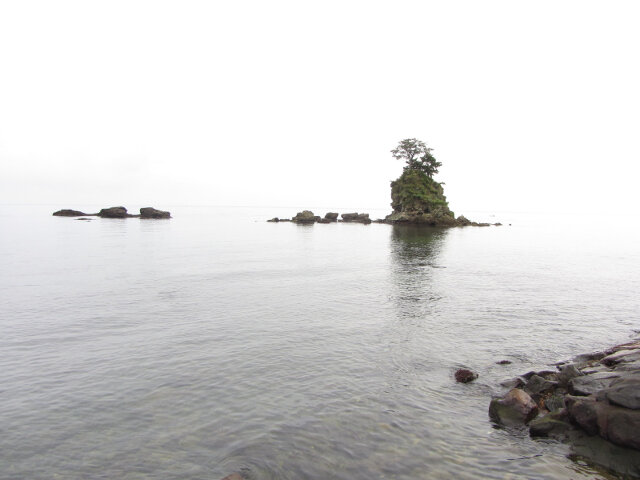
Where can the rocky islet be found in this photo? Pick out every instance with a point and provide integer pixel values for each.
(116, 212)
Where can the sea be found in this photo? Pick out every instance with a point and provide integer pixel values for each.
(216, 342)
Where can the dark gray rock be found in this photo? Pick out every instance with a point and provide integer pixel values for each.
(515, 408)
(356, 218)
(333, 216)
(515, 382)
(554, 402)
(537, 385)
(590, 384)
(616, 424)
(323, 220)
(114, 212)
(150, 212)
(274, 220)
(551, 425)
(304, 217)
(69, 213)
(624, 392)
(622, 356)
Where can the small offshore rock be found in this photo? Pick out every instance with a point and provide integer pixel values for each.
(515, 408)
(150, 212)
(113, 212)
(323, 220)
(463, 375)
(304, 217)
(274, 220)
(356, 218)
(69, 213)
(332, 216)
(504, 362)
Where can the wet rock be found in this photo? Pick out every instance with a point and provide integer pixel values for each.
(463, 375)
(515, 408)
(305, 217)
(332, 216)
(69, 213)
(622, 356)
(624, 392)
(537, 385)
(567, 372)
(551, 425)
(554, 402)
(113, 212)
(323, 220)
(274, 220)
(503, 362)
(150, 212)
(515, 382)
(616, 424)
(590, 384)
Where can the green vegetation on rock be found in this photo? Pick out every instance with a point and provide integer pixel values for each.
(416, 197)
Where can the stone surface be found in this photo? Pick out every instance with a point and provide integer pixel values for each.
(621, 356)
(551, 425)
(567, 372)
(150, 212)
(624, 392)
(356, 217)
(333, 216)
(515, 408)
(537, 385)
(590, 384)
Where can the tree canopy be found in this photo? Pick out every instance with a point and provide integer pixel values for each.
(417, 155)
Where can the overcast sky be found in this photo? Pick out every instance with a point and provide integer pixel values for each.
(528, 105)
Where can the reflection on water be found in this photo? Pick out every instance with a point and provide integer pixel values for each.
(415, 254)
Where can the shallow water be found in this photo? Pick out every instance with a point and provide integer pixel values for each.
(216, 342)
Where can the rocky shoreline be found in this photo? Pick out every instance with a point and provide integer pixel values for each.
(115, 212)
(307, 217)
(591, 402)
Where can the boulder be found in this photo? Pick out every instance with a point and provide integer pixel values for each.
(617, 424)
(323, 220)
(622, 356)
(113, 212)
(590, 384)
(515, 408)
(356, 218)
(305, 217)
(537, 385)
(150, 212)
(274, 220)
(551, 425)
(567, 372)
(69, 213)
(624, 392)
(463, 375)
(463, 221)
(332, 216)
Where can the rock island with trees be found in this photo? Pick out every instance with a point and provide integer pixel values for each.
(416, 198)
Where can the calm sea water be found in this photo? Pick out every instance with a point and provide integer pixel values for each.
(215, 342)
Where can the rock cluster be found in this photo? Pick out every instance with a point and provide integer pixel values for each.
(307, 217)
(116, 212)
(597, 393)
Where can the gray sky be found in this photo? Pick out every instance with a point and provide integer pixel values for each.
(528, 105)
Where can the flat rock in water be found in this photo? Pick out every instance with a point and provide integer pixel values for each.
(69, 213)
(150, 212)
